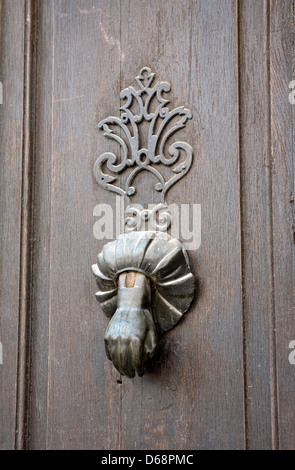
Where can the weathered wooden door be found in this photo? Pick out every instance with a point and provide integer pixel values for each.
(224, 377)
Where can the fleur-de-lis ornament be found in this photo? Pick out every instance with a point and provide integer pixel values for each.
(136, 157)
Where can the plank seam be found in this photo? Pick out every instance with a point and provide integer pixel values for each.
(49, 365)
(241, 192)
(26, 235)
(120, 81)
(272, 319)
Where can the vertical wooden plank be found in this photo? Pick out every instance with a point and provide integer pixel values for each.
(11, 141)
(256, 223)
(75, 400)
(42, 228)
(192, 396)
(282, 151)
(26, 246)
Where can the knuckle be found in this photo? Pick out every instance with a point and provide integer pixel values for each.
(136, 340)
(111, 339)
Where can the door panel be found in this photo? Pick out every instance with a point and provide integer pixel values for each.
(222, 379)
(189, 399)
(283, 189)
(75, 396)
(11, 210)
(256, 218)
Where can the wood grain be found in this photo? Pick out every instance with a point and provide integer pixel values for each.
(222, 379)
(192, 397)
(256, 210)
(75, 399)
(11, 171)
(282, 153)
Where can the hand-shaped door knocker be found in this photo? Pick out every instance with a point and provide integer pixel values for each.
(144, 280)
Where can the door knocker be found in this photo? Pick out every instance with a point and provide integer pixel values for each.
(144, 280)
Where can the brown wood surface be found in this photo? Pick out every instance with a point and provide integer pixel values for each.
(282, 34)
(75, 396)
(12, 28)
(193, 395)
(256, 216)
(222, 379)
